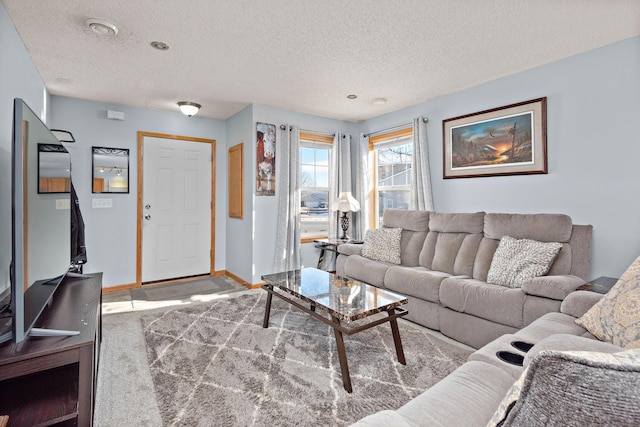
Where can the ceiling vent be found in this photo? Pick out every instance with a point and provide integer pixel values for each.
(101, 27)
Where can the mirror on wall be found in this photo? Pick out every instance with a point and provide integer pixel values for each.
(54, 172)
(110, 170)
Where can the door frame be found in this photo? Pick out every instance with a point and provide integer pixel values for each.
(141, 136)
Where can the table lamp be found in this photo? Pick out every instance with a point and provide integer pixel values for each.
(345, 203)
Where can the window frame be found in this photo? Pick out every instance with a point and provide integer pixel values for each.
(376, 142)
(311, 140)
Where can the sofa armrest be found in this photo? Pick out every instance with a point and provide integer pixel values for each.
(350, 249)
(382, 419)
(567, 342)
(553, 287)
(579, 302)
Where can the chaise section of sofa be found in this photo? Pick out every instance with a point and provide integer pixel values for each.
(473, 393)
(445, 262)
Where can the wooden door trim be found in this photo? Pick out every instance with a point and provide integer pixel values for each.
(141, 136)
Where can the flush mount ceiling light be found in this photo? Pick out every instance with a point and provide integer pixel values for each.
(379, 101)
(101, 27)
(352, 96)
(189, 108)
(159, 45)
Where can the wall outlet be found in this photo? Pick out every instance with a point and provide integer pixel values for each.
(101, 203)
(63, 204)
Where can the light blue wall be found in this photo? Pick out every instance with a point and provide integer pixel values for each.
(19, 78)
(593, 111)
(111, 233)
(240, 129)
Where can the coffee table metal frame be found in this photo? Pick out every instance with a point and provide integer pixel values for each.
(338, 328)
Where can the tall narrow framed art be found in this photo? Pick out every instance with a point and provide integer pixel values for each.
(265, 159)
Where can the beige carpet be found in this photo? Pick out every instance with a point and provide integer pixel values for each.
(214, 364)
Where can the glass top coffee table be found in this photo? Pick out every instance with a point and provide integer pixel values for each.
(343, 300)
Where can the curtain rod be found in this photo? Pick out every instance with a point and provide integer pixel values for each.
(312, 132)
(392, 128)
(315, 132)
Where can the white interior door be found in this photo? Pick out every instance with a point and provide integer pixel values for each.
(176, 209)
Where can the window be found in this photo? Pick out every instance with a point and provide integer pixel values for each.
(392, 155)
(315, 155)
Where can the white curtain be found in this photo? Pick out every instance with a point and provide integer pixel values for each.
(420, 191)
(360, 220)
(287, 252)
(340, 177)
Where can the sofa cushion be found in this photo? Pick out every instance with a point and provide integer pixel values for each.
(412, 220)
(470, 223)
(366, 270)
(382, 244)
(549, 324)
(466, 397)
(415, 225)
(452, 242)
(492, 302)
(415, 281)
(540, 227)
(383, 419)
(513, 394)
(350, 249)
(578, 303)
(411, 244)
(558, 386)
(616, 317)
(554, 287)
(568, 342)
(517, 260)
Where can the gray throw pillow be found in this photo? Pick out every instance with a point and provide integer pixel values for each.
(574, 388)
(382, 244)
(518, 260)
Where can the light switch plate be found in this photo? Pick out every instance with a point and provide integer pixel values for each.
(101, 203)
(63, 204)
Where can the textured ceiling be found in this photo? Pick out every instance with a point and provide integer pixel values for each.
(304, 55)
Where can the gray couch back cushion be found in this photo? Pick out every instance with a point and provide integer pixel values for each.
(452, 242)
(540, 227)
(414, 226)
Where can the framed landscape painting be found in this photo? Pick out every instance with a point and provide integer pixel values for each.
(510, 140)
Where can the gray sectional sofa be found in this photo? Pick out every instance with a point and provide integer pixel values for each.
(445, 259)
(556, 391)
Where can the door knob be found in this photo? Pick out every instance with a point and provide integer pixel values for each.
(147, 217)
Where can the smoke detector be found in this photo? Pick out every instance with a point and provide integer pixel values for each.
(159, 45)
(101, 27)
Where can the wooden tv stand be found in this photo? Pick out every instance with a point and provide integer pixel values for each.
(51, 380)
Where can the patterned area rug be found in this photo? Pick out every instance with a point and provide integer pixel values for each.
(214, 364)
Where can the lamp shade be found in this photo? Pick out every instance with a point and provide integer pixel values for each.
(345, 203)
(189, 108)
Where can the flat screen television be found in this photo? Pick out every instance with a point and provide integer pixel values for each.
(41, 222)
